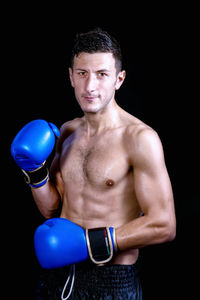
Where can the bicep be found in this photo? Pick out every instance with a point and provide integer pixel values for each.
(151, 180)
(153, 191)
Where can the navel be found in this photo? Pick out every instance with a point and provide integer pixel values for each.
(110, 182)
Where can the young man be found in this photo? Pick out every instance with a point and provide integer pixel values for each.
(108, 171)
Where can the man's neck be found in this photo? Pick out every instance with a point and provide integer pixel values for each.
(107, 118)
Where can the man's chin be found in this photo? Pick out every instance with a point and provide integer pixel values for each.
(92, 110)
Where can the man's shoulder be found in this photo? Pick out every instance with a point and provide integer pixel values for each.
(71, 126)
(67, 129)
(135, 128)
(139, 136)
(143, 143)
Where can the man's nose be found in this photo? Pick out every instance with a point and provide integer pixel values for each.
(91, 83)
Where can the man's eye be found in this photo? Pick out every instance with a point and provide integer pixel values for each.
(102, 74)
(82, 74)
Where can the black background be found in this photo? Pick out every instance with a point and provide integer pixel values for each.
(159, 46)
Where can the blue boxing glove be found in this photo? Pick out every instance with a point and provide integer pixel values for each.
(31, 147)
(60, 242)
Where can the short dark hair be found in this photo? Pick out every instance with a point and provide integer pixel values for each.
(97, 40)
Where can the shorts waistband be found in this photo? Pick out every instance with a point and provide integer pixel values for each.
(120, 277)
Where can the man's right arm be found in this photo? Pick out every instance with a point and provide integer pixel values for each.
(47, 197)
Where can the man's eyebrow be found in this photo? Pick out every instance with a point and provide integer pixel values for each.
(104, 70)
(98, 71)
(79, 69)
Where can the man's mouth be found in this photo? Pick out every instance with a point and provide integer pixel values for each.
(90, 98)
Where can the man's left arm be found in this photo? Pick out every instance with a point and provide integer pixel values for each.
(154, 195)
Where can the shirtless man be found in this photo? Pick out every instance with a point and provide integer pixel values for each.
(109, 169)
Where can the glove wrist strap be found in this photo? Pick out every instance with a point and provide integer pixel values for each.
(100, 245)
(37, 177)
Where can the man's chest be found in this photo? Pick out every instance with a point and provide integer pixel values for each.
(104, 162)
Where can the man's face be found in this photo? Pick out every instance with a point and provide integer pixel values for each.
(95, 80)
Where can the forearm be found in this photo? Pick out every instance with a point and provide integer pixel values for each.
(47, 199)
(144, 231)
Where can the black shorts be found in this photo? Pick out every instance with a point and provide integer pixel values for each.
(109, 282)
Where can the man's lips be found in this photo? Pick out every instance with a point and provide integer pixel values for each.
(90, 97)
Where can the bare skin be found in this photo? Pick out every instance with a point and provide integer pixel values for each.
(109, 167)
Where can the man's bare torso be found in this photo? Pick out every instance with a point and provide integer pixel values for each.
(96, 177)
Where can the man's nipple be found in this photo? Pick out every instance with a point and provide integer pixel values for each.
(110, 182)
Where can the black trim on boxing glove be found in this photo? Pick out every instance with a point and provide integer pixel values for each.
(37, 177)
(99, 244)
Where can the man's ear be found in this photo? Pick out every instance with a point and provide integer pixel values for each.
(120, 79)
(71, 77)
